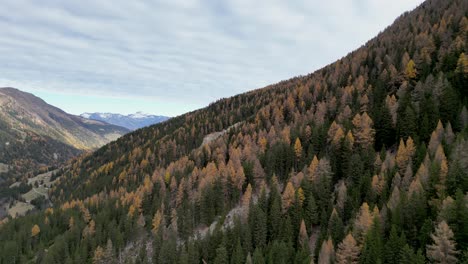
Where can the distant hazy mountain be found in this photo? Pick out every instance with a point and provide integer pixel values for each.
(34, 133)
(132, 121)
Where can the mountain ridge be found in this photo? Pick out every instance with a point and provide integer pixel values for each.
(35, 133)
(18, 105)
(130, 121)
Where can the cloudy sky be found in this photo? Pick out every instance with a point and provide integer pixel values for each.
(170, 57)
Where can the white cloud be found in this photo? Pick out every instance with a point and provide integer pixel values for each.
(179, 50)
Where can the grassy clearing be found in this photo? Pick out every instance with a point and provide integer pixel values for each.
(20, 209)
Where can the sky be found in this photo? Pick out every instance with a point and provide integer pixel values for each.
(171, 57)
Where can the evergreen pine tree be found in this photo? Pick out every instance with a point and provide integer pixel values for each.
(408, 256)
(258, 225)
(448, 105)
(460, 223)
(310, 212)
(237, 256)
(384, 130)
(274, 217)
(372, 248)
(336, 227)
(221, 256)
(258, 257)
(393, 247)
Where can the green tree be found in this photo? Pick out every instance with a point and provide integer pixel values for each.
(393, 247)
(406, 119)
(221, 256)
(258, 226)
(408, 256)
(183, 256)
(448, 103)
(279, 252)
(460, 220)
(336, 227)
(384, 131)
(274, 215)
(311, 216)
(373, 248)
(258, 257)
(193, 254)
(168, 253)
(237, 256)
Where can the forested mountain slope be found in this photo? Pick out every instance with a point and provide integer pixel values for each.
(365, 160)
(34, 133)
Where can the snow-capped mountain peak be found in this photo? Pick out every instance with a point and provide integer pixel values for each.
(86, 115)
(140, 115)
(131, 121)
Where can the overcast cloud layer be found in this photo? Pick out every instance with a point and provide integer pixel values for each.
(186, 52)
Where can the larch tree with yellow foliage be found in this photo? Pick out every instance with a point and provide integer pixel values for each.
(363, 130)
(410, 71)
(288, 196)
(157, 221)
(35, 230)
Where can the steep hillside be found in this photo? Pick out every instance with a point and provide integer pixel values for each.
(34, 133)
(132, 121)
(26, 112)
(365, 160)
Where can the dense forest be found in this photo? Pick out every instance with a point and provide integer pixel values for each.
(363, 161)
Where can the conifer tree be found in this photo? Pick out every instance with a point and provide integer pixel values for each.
(35, 230)
(393, 247)
(274, 216)
(98, 257)
(312, 170)
(109, 252)
(288, 196)
(384, 130)
(336, 227)
(408, 256)
(363, 222)
(311, 211)
(327, 252)
(258, 257)
(237, 256)
(258, 226)
(303, 238)
(221, 256)
(157, 220)
(348, 251)
(460, 223)
(444, 248)
(363, 130)
(410, 70)
(298, 148)
(372, 249)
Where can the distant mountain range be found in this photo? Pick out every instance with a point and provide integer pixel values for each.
(132, 121)
(34, 133)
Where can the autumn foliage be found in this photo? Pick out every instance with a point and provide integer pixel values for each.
(319, 168)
